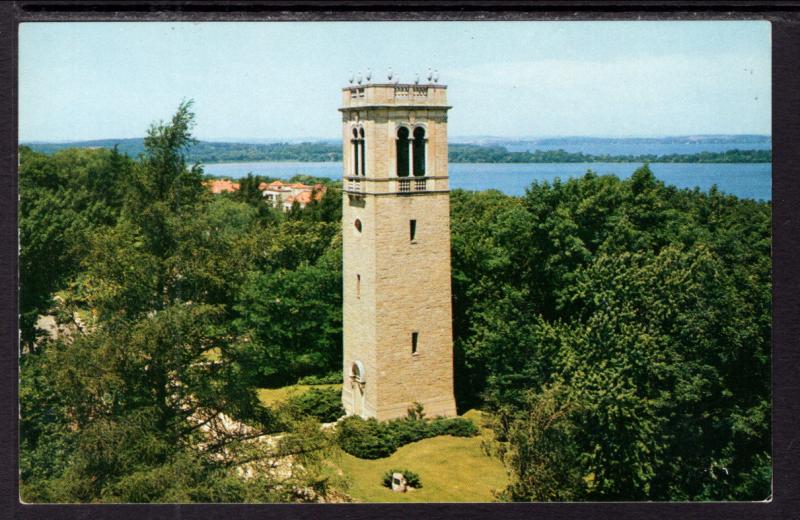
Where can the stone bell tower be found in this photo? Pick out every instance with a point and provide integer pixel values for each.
(398, 338)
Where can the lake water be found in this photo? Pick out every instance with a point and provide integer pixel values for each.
(752, 181)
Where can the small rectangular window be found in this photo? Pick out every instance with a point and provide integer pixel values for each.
(358, 286)
(414, 340)
(412, 228)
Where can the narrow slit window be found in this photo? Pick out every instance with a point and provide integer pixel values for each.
(412, 229)
(358, 286)
(355, 155)
(414, 342)
(362, 158)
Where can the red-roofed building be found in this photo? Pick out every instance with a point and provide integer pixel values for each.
(284, 195)
(222, 186)
(303, 198)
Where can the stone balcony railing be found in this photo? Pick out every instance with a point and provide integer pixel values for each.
(389, 94)
(353, 184)
(400, 185)
(412, 184)
(410, 90)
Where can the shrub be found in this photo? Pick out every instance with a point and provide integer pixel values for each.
(416, 412)
(456, 427)
(412, 479)
(371, 439)
(405, 431)
(330, 378)
(325, 404)
(365, 439)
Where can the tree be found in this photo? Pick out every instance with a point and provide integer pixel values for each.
(293, 317)
(325, 206)
(249, 189)
(643, 304)
(249, 192)
(137, 383)
(64, 198)
(537, 446)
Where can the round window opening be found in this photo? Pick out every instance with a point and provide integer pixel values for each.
(358, 225)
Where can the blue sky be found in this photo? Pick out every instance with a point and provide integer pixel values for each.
(283, 79)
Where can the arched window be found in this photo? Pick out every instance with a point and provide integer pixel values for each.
(355, 154)
(362, 161)
(402, 152)
(357, 372)
(419, 152)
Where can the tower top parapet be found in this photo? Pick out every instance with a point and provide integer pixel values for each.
(378, 95)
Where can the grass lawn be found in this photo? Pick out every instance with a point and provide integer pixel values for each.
(273, 396)
(452, 469)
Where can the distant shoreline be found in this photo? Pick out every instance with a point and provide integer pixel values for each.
(215, 163)
(717, 150)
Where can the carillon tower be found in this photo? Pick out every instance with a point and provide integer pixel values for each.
(398, 340)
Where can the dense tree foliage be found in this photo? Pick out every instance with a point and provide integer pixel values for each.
(616, 331)
(63, 198)
(148, 396)
(295, 319)
(647, 308)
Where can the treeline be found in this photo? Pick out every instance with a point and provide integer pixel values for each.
(466, 153)
(171, 306)
(696, 140)
(620, 333)
(616, 331)
(211, 152)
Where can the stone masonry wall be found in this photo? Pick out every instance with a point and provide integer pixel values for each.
(404, 284)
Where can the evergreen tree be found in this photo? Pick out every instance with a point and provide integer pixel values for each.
(135, 385)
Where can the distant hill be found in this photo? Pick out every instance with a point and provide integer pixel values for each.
(211, 151)
(470, 153)
(132, 147)
(625, 146)
(482, 149)
(573, 140)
